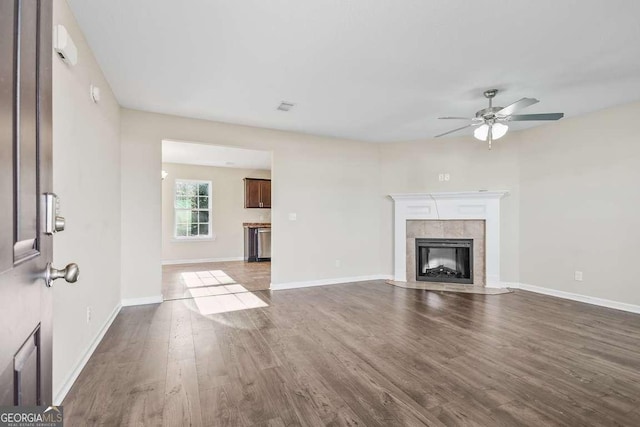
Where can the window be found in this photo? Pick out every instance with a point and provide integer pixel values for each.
(192, 209)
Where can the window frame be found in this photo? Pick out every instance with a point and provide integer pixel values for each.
(209, 184)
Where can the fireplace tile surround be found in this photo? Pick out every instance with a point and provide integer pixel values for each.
(449, 215)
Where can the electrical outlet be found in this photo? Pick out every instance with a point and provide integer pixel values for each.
(293, 216)
(578, 276)
(89, 314)
(338, 263)
(440, 177)
(447, 177)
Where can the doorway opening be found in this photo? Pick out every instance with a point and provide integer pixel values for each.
(214, 199)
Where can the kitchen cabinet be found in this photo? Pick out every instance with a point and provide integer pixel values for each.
(257, 193)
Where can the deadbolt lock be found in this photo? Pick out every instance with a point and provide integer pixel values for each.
(53, 221)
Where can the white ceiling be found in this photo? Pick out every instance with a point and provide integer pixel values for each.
(376, 70)
(214, 155)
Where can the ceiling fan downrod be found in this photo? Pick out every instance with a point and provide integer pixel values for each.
(490, 94)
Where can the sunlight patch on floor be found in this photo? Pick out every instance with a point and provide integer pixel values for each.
(229, 302)
(205, 278)
(216, 292)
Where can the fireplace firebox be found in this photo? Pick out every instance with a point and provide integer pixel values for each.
(444, 260)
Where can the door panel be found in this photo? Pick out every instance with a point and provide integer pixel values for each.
(26, 372)
(25, 149)
(6, 131)
(25, 175)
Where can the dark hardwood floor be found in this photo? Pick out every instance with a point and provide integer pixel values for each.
(178, 281)
(365, 354)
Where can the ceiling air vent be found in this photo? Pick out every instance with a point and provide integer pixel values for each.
(285, 106)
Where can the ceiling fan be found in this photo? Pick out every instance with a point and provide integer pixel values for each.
(492, 121)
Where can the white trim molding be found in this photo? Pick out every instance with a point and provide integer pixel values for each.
(155, 299)
(323, 282)
(479, 205)
(200, 260)
(61, 393)
(577, 297)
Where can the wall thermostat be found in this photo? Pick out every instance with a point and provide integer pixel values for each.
(64, 46)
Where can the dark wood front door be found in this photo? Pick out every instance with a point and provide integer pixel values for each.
(25, 175)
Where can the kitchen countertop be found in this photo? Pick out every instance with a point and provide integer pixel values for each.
(256, 224)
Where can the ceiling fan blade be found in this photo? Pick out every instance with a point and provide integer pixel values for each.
(455, 118)
(530, 117)
(456, 130)
(518, 105)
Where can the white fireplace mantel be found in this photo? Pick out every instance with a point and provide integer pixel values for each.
(483, 205)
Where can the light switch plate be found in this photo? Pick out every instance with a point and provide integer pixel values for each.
(293, 216)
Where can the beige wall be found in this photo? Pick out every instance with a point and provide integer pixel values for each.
(579, 184)
(413, 167)
(331, 184)
(86, 177)
(227, 208)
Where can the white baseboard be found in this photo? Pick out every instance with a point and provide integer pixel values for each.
(512, 285)
(323, 282)
(128, 302)
(60, 394)
(200, 260)
(577, 297)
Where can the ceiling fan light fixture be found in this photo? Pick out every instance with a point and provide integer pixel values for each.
(498, 130)
(481, 132)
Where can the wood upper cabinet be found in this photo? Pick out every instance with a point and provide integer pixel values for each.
(265, 193)
(257, 193)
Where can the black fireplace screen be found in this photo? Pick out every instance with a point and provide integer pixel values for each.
(444, 260)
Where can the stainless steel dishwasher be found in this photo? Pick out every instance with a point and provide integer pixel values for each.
(264, 244)
(257, 243)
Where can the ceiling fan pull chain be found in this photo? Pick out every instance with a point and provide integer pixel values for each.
(490, 134)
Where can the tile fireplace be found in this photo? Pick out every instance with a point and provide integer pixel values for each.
(443, 236)
(453, 215)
